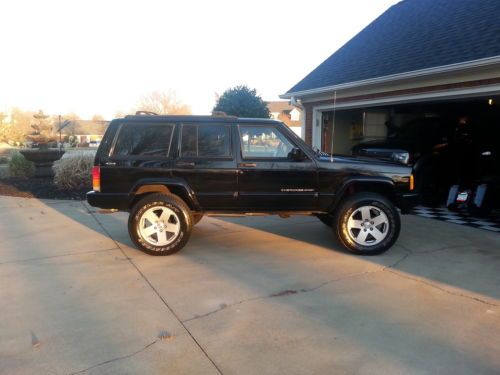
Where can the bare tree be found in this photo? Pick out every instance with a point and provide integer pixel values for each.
(97, 117)
(163, 103)
(21, 119)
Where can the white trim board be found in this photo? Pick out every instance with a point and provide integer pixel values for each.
(415, 98)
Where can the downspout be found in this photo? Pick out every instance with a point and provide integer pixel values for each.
(294, 102)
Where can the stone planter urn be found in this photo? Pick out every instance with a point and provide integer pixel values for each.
(43, 156)
(43, 160)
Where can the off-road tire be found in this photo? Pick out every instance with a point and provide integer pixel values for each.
(171, 202)
(359, 200)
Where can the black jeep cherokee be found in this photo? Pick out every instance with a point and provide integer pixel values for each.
(169, 171)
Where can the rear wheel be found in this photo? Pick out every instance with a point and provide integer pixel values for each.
(367, 223)
(160, 224)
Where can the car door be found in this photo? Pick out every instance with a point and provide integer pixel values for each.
(269, 179)
(205, 161)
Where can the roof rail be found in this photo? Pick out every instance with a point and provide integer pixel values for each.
(222, 114)
(145, 113)
(219, 114)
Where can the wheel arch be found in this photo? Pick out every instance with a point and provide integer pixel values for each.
(167, 187)
(382, 186)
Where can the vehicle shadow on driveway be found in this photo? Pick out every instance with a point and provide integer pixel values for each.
(464, 258)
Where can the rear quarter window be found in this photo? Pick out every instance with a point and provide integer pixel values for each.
(107, 140)
(144, 140)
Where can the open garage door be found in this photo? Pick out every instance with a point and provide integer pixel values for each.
(447, 142)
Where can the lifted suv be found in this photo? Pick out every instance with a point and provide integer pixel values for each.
(169, 171)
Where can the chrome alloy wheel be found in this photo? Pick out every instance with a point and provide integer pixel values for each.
(159, 226)
(368, 225)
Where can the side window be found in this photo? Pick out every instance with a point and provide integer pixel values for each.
(205, 141)
(144, 140)
(263, 142)
(189, 140)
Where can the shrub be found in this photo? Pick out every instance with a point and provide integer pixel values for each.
(73, 170)
(19, 166)
(11, 134)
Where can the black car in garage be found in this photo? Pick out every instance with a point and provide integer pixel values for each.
(423, 144)
(444, 151)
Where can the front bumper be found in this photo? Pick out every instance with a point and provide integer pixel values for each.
(407, 201)
(109, 201)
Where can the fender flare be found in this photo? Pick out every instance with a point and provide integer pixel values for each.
(175, 186)
(385, 182)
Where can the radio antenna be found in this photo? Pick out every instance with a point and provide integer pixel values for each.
(333, 123)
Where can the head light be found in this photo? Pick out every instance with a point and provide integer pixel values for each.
(401, 157)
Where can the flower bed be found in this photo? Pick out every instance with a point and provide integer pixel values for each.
(43, 188)
(72, 179)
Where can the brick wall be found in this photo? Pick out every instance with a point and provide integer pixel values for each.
(309, 119)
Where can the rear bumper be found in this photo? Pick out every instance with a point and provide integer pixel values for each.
(109, 200)
(407, 201)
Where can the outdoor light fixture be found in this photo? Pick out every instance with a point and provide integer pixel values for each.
(490, 101)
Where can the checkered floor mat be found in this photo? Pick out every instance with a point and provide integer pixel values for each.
(491, 223)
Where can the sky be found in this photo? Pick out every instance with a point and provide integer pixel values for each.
(100, 57)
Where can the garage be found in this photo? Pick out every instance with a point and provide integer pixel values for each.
(420, 85)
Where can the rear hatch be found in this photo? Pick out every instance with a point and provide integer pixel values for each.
(102, 155)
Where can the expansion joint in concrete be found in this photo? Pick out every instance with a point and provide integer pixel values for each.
(155, 291)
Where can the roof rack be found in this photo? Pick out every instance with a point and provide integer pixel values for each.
(222, 114)
(145, 113)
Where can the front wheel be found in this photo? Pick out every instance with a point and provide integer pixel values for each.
(367, 223)
(160, 224)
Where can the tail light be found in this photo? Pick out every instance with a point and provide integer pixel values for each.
(412, 182)
(96, 178)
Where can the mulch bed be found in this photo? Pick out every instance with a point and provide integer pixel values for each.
(43, 188)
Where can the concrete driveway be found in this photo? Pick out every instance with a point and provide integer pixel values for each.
(245, 296)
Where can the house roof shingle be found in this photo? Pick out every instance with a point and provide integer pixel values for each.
(413, 35)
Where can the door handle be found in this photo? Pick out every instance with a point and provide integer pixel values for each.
(186, 164)
(247, 165)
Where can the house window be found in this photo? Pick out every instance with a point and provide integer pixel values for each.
(374, 124)
(295, 114)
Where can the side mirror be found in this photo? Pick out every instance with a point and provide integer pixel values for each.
(296, 154)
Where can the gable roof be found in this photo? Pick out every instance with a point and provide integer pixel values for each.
(413, 35)
(279, 106)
